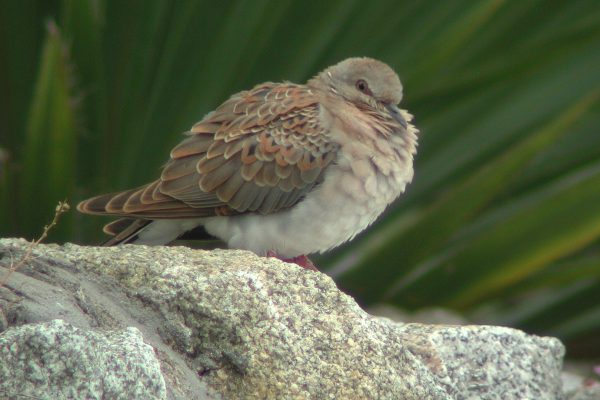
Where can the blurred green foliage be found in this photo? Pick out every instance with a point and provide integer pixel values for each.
(502, 221)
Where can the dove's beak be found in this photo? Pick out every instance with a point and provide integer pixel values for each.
(396, 114)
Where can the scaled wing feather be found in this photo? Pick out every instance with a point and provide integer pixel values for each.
(261, 151)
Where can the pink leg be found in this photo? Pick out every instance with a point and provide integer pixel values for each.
(302, 260)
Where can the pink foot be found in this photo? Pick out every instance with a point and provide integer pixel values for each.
(302, 260)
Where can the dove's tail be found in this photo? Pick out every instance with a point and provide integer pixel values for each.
(124, 230)
(152, 227)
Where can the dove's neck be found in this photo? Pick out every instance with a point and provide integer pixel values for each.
(324, 83)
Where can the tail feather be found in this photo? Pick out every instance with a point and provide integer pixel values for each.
(110, 203)
(117, 226)
(124, 230)
(158, 223)
(95, 205)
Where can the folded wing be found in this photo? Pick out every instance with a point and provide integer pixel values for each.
(261, 151)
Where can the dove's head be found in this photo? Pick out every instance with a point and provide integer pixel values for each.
(364, 81)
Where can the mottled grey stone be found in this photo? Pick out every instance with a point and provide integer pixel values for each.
(578, 387)
(56, 360)
(233, 324)
(491, 362)
(586, 393)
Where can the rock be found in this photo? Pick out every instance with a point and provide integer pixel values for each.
(586, 393)
(229, 324)
(580, 381)
(58, 360)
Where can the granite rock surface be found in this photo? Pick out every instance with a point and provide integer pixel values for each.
(177, 323)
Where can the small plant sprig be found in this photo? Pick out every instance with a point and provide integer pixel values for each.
(61, 208)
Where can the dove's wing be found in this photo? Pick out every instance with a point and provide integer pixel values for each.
(261, 151)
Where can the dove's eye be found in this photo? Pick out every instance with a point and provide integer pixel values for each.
(362, 86)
